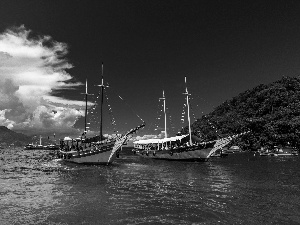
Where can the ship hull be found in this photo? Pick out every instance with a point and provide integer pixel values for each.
(94, 158)
(104, 154)
(193, 155)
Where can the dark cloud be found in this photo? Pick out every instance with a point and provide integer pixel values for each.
(8, 100)
(47, 119)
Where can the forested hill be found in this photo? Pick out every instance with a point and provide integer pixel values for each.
(271, 112)
(8, 137)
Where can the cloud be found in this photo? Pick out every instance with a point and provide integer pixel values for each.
(149, 136)
(4, 121)
(30, 69)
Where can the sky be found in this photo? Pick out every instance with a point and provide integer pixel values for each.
(48, 49)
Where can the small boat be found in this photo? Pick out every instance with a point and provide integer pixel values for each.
(232, 149)
(52, 147)
(285, 151)
(29, 147)
(267, 152)
(35, 147)
(94, 150)
(181, 147)
(220, 153)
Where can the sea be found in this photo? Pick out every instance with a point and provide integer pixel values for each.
(243, 188)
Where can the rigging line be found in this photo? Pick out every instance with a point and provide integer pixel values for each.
(149, 127)
(214, 127)
(129, 106)
(183, 115)
(192, 108)
(193, 112)
(172, 126)
(94, 117)
(158, 116)
(110, 112)
(131, 109)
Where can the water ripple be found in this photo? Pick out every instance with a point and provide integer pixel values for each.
(35, 188)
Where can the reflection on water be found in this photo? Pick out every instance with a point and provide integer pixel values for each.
(27, 187)
(240, 189)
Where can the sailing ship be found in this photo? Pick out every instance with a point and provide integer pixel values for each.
(279, 151)
(34, 147)
(94, 150)
(186, 147)
(39, 146)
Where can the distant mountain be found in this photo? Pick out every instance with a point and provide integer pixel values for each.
(8, 137)
(271, 112)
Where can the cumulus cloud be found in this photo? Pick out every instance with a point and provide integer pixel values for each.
(149, 136)
(30, 69)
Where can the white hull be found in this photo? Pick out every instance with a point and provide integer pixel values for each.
(278, 154)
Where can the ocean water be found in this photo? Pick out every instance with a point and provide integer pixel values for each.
(36, 188)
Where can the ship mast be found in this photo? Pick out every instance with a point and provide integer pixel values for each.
(101, 105)
(85, 114)
(163, 98)
(188, 106)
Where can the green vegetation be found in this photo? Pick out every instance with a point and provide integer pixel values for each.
(271, 112)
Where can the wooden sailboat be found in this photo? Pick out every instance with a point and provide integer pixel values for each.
(181, 147)
(94, 150)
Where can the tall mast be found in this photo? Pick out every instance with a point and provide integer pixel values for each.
(188, 106)
(86, 101)
(101, 104)
(163, 98)
(85, 115)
